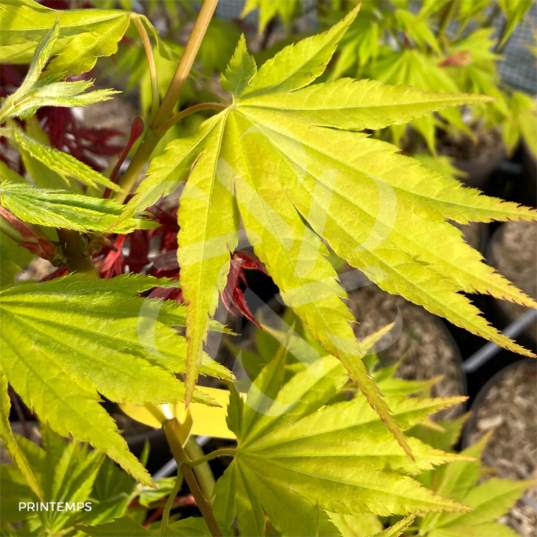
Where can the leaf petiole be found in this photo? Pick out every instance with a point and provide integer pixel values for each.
(160, 131)
(169, 502)
(151, 64)
(223, 452)
(75, 249)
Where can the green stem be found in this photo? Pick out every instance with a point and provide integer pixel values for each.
(151, 140)
(151, 63)
(156, 412)
(493, 14)
(203, 471)
(6, 112)
(137, 164)
(187, 112)
(182, 460)
(75, 249)
(223, 452)
(496, 12)
(169, 502)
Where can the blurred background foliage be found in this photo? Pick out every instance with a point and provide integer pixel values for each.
(478, 46)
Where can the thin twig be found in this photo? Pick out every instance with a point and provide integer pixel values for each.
(151, 140)
(187, 60)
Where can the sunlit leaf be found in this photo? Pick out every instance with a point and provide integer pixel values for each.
(65, 341)
(285, 154)
(295, 455)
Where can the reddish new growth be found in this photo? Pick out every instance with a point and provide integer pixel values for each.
(85, 144)
(163, 264)
(233, 294)
(154, 252)
(34, 239)
(457, 60)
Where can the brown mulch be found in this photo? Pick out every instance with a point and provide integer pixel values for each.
(514, 254)
(423, 341)
(510, 408)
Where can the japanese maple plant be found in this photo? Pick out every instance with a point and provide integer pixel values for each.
(289, 162)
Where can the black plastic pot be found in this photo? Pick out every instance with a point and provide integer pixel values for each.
(529, 162)
(480, 169)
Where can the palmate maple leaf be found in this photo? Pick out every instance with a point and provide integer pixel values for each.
(288, 158)
(299, 456)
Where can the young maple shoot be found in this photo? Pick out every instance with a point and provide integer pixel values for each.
(288, 161)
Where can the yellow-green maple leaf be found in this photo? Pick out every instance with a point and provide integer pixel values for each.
(298, 455)
(66, 341)
(286, 153)
(489, 500)
(84, 34)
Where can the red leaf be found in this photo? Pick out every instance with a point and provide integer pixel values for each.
(113, 263)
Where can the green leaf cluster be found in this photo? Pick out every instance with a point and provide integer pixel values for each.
(464, 481)
(67, 473)
(126, 527)
(300, 458)
(36, 91)
(62, 164)
(442, 46)
(61, 209)
(286, 10)
(291, 161)
(66, 341)
(84, 34)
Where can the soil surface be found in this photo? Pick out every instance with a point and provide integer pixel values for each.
(418, 336)
(510, 409)
(37, 270)
(514, 254)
